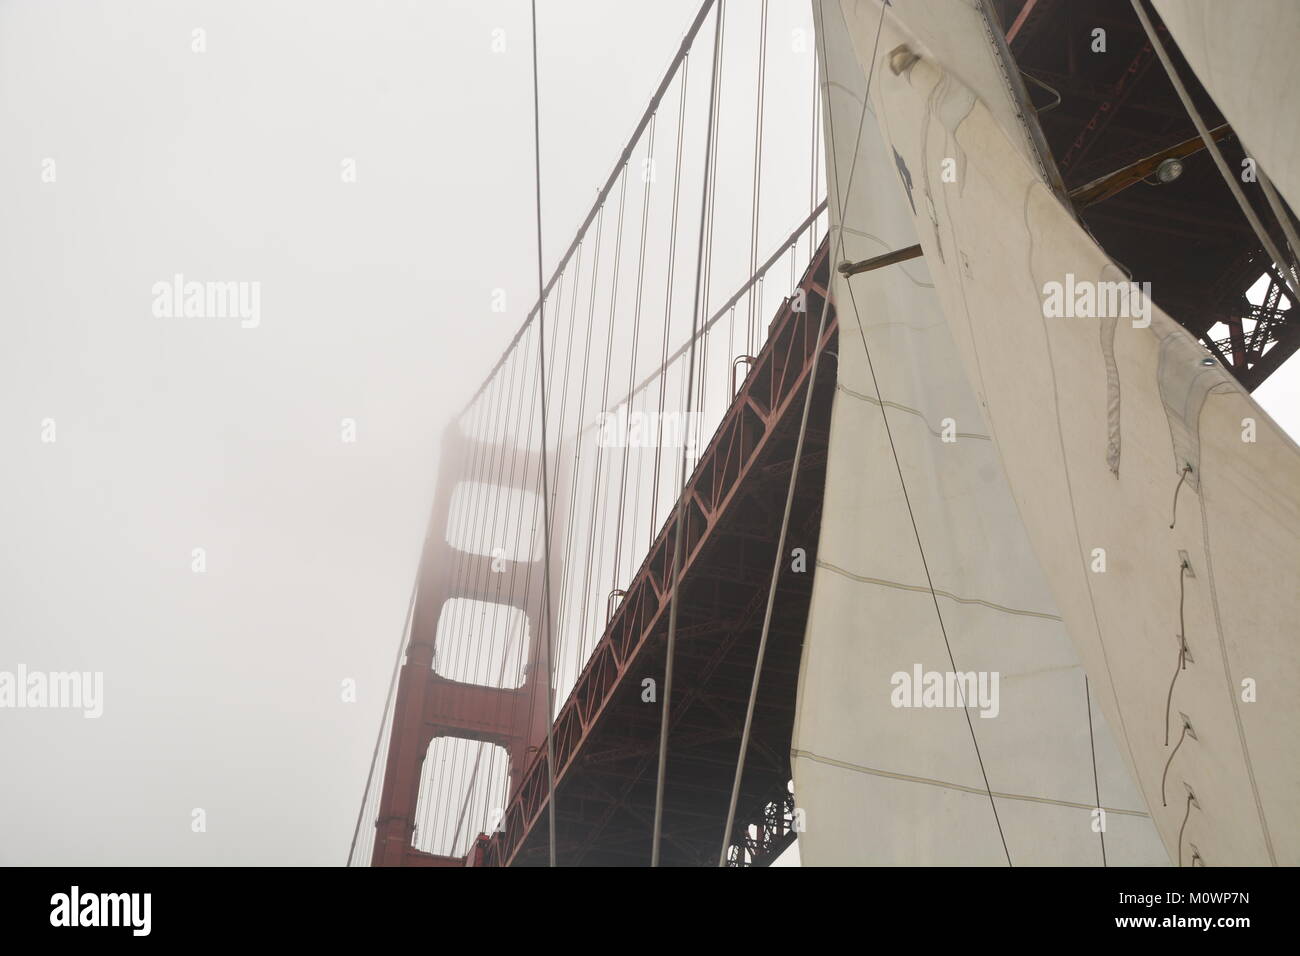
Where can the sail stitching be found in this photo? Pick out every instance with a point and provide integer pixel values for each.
(950, 785)
(926, 590)
(911, 411)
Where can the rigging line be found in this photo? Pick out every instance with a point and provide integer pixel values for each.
(890, 435)
(794, 469)
(1213, 149)
(681, 503)
(668, 293)
(1168, 763)
(1182, 644)
(1173, 518)
(608, 187)
(1092, 747)
(546, 505)
(631, 365)
(392, 684)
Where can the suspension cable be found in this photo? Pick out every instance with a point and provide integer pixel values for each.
(756, 298)
(668, 292)
(681, 501)
(546, 495)
(608, 187)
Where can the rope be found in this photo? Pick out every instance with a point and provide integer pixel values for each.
(1182, 644)
(1165, 776)
(1183, 827)
(1173, 518)
(681, 501)
(898, 465)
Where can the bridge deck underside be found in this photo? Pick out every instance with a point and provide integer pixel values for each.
(607, 735)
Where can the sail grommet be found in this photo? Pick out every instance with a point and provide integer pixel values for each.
(901, 59)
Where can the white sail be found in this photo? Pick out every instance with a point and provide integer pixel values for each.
(881, 783)
(1244, 56)
(1097, 425)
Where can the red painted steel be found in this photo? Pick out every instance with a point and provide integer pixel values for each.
(738, 461)
(430, 705)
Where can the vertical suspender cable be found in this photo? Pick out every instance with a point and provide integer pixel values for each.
(756, 293)
(812, 185)
(681, 501)
(647, 175)
(711, 175)
(546, 498)
(668, 297)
